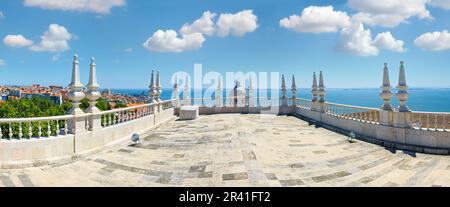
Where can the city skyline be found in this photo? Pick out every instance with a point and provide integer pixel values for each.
(130, 38)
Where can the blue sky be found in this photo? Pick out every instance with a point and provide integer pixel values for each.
(251, 37)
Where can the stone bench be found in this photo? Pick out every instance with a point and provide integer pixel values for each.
(189, 112)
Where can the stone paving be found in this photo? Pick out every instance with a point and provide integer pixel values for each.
(242, 150)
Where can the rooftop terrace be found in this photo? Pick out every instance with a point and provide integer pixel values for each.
(241, 150)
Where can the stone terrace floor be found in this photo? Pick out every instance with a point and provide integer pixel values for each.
(241, 150)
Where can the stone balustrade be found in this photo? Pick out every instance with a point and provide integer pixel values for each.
(39, 127)
(44, 140)
(437, 121)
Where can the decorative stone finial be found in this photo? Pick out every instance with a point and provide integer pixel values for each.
(93, 85)
(152, 88)
(321, 88)
(402, 93)
(93, 94)
(314, 90)
(283, 91)
(386, 94)
(75, 88)
(293, 92)
(158, 87)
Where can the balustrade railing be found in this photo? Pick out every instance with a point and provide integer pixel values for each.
(39, 127)
(363, 114)
(303, 103)
(42, 127)
(117, 116)
(430, 120)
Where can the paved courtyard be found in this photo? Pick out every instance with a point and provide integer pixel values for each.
(241, 150)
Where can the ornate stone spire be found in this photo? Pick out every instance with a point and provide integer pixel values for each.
(93, 94)
(314, 88)
(75, 88)
(386, 94)
(283, 91)
(402, 93)
(293, 92)
(158, 87)
(321, 88)
(186, 95)
(152, 88)
(76, 74)
(219, 102)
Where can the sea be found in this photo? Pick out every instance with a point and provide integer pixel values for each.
(420, 99)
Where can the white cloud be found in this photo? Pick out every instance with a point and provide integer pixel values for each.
(168, 41)
(17, 41)
(388, 13)
(204, 25)
(435, 41)
(2, 62)
(443, 4)
(95, 6)
(54, 40)
(129, 50)
(357, 40)
(386, 41)
(2, 16)
(192, 35)
(237, 24)
(316, 19)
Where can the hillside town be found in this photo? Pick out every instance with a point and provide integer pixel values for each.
(58, 95)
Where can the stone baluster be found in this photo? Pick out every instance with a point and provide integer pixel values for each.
(57, 127)
(321, 93)
(186, 95)
(40, 130)
(30, 130)
(402, 118)
(283, 92)
(293, 92)
(251, 94)
(20, 131)
(49, 129)
(218, 99)
(315, 93)
(77, 123)
(93, 95)
(386, 95)
(175, 93)
(10, 134)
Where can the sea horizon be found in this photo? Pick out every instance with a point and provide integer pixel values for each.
(420, 99)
